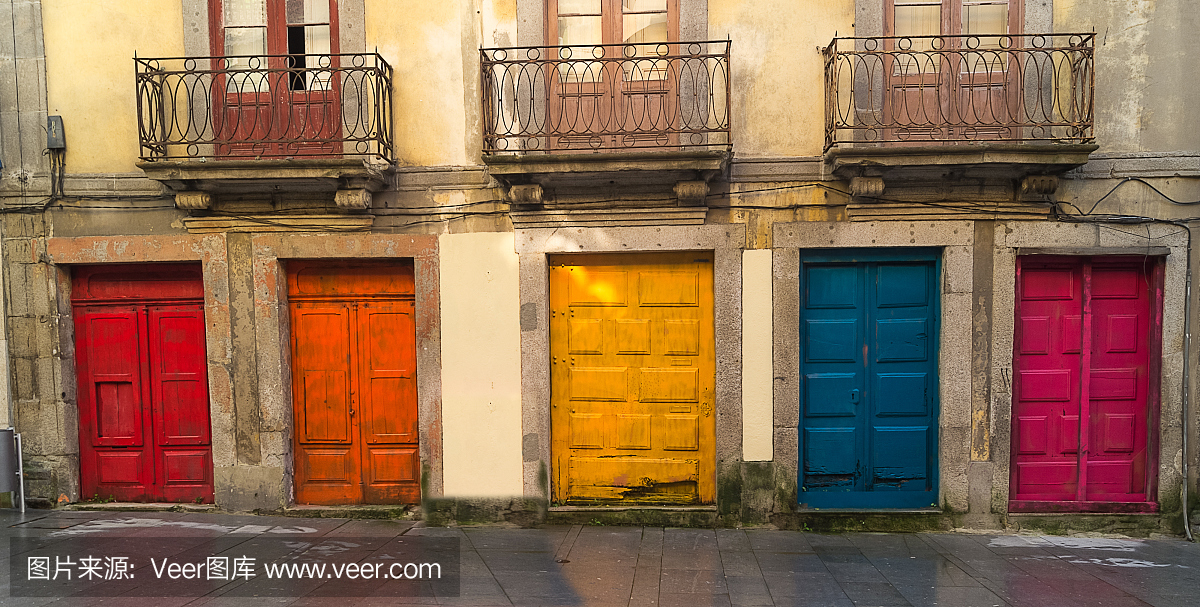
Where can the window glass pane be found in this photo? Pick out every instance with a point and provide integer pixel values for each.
(918, 20)
(648, 28)
(245, 41)
(307, 11)
(579, 30)
(247, 72)
(316, 40)
(587, 7)
(643, 5)
(245, 12)
(985, 19)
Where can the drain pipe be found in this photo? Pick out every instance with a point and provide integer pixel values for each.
(1187, 365)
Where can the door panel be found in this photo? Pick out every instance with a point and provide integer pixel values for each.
(321, 362)
(1085, 338)
(113, 347)
(354, 375)
(179, 376)
(869, 398)
(143, 386)
(632, 378)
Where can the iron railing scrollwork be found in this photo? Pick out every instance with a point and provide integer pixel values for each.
(273, 106)
(606, 97)
(953, 89)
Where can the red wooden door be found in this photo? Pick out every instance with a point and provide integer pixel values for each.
(280, 96)
(1085, 396)
(143, 383)
(354, 383)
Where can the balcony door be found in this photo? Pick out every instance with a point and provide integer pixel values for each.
(949, 75)
(276, 91)
(606, 97)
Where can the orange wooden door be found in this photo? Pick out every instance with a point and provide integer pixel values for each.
(632, 378)
(354, 383)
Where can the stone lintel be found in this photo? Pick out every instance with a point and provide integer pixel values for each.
(279, 223)
(608, 218)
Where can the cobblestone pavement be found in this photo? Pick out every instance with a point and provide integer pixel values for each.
(583, 565)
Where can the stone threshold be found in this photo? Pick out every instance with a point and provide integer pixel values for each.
(632, 508)
(355, 511)
(140, 507)
(869, 511)
(1053, 515)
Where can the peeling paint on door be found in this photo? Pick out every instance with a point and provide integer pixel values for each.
(868, 430)
(632, 378)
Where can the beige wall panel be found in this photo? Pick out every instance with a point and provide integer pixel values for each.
(757, 403)
(778, 73)
(481, 365)
(89, 73)
(426, 44)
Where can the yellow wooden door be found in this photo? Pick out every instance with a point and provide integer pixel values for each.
(632, 378)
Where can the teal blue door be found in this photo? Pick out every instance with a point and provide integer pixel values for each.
(868, 394)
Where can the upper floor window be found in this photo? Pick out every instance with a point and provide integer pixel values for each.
(588, 22)
(303, 30)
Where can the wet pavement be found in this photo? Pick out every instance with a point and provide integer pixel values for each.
(584, 565)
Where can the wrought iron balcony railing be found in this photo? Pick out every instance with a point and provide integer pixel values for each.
(274, 106)
(606, 97)
(931, 90)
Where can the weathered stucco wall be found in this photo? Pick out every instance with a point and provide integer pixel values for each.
(89, 73)
(778, 94)
(1145, 53)
(433, 48)
(481, 365)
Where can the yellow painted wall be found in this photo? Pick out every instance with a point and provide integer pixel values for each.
(757, 402)
(481, 365)
(778, 74)
(89, 73)
(431, 46)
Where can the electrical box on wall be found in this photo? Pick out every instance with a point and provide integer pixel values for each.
(56, 139)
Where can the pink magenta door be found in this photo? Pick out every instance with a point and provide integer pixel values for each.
(1085, 387)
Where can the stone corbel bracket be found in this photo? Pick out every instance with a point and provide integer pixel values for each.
(691, 193)
(1038, 185)
(526, 195)
(866, 186)
(192, 200)
(356, 193)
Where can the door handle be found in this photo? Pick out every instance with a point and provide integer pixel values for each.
(854, 396)
(351, 412)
